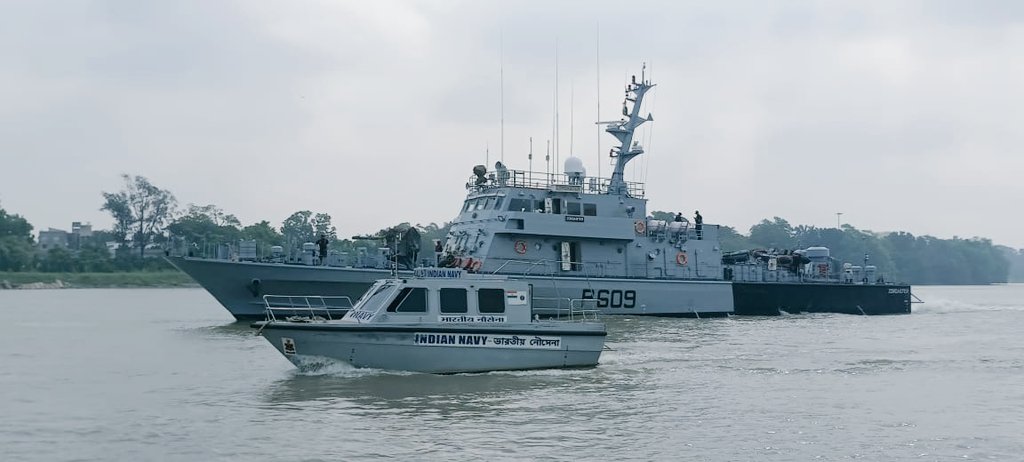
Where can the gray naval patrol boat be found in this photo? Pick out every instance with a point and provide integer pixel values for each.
(441, 320)
(577, 237)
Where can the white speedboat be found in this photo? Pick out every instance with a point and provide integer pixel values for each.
(443, 321)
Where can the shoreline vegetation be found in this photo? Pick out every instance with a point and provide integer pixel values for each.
(119, 279)
(147, 224)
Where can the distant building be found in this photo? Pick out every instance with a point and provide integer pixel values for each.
(53, 239)
(81, 233)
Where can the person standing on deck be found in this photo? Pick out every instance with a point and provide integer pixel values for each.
(322, 242)
(698, 223)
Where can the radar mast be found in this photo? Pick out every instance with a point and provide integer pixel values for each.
(623, 131)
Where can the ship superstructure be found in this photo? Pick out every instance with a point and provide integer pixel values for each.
(583, 231)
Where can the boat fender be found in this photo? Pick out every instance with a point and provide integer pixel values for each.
(468, 263)
(640, 227)
(681, 259)
(520, 247)
(254, 287)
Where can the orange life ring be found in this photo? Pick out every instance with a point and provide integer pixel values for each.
(681, 259)
(475, 267)
(640, 227)
(468, 263)
(520, 247)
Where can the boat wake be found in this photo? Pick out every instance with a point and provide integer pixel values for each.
(944, 306)
(322, 366)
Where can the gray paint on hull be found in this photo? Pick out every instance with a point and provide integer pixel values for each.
(231, 283)
(395, 350)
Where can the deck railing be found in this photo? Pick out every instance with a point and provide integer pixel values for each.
(317, 306)
(556, 181)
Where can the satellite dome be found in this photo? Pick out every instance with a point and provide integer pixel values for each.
(574, 166)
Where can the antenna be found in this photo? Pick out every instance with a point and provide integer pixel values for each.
(547, 158)
(572, 93)
(598, 59)
(501, 79)
(556, 134)
(487, 154)
(530, 158)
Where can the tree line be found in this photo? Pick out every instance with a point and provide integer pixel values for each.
(146, 220)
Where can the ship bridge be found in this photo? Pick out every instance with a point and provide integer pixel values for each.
(573, 225)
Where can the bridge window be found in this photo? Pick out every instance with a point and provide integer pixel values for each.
(497, 203)
(590, 210)
(453, 301)
(519, 205)
(491, 300)
(572, 208)
(409, 300)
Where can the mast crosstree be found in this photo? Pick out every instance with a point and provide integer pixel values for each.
(623, 130)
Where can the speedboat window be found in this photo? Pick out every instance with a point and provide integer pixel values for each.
(491, 300)
(373, 295)
(409, 300)
(453, 300)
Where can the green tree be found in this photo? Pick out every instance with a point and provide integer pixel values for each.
(15, 242)
(263, 233)
(732, 240)
(207, 224)
(777, 233)
(298, 227)
(57, 260)
(322, 225)
(304, 226)
(140, 209)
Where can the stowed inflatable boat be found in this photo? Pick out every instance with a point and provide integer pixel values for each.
(440, 321)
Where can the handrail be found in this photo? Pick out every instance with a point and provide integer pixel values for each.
(547, 180)
(575, 310)
(304, 302)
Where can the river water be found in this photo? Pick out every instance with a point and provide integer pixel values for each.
(164, 374)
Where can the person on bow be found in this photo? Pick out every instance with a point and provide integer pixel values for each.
(322, 242)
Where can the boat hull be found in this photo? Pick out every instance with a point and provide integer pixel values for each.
(770, 299)
(240, 286)
(447, 350)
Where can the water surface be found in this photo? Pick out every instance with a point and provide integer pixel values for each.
(164, 374)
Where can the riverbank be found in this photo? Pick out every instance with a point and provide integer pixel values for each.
(135, 279)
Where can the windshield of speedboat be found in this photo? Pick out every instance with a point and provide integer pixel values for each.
(375, 297)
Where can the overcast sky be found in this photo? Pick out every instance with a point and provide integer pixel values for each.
(903, 115)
